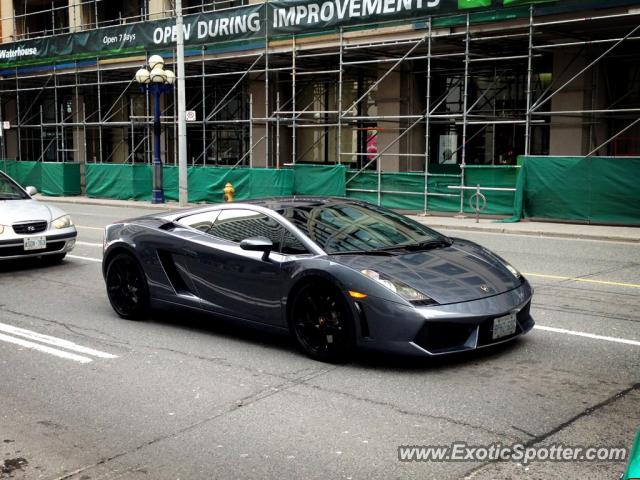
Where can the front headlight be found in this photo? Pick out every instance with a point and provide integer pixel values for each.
(506, 264)
(1, 229)
(405, 291)
(62, 222)
(513, 271)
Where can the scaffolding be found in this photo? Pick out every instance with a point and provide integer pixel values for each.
(426, 96)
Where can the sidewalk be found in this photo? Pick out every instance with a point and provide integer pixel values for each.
(542, 229)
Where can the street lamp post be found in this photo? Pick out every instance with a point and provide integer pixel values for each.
(157, 81)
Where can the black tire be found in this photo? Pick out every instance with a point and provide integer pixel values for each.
(321, 323)
(127, 287)
(54, 259)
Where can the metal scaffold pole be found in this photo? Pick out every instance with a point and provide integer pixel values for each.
(277, 129)
(427, 122)
(182, 119)
(266, 87)
(527, 134)
(294, 124)
(340, 74)
(465, 114)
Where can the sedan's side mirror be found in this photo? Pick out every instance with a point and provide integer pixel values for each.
(31, 191)
(258, 244)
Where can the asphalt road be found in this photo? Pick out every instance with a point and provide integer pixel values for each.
(193, 397)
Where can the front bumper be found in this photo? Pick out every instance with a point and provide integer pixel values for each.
(58, 242)
(442, 329)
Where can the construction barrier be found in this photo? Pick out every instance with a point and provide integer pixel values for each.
(126, 182)
(319, 180)
(405, 191)
(50, 178)
(585, 189)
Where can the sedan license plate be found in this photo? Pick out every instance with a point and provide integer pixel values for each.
(35, 243)
(504, 326)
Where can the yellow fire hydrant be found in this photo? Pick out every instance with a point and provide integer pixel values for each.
(228, 192)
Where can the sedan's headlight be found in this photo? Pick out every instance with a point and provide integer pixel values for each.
(402, 289)
(1, 229)
(62, 222)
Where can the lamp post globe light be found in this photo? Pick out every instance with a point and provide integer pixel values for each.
(157, 81)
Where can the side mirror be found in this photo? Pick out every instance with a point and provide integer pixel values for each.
(258, 244)
(31, 191)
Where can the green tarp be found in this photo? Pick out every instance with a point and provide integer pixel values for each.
(50, 178)
(206, 184)
(498, 203)
(590, 190)
(405, 191)
(319, 180)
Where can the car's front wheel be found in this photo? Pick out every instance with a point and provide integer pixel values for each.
(321, 322)
(127, 287)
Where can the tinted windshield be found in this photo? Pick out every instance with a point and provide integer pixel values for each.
(9, 190)
(347, 227)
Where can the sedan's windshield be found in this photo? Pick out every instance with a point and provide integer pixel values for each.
(9, 190)
(351, 227)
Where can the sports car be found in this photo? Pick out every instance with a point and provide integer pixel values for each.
(336, 273)
(29, 228)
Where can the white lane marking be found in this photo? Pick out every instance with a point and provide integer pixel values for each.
(593, 336)
(89, 244)
(56, 342)
(99, 260)
(43, 348)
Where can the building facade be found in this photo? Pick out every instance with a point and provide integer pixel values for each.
(387, 85)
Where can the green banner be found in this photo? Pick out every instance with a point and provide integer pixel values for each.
(259, 22)
(464, 4)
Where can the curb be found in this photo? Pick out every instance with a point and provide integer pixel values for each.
(114, 203)
(535, 233)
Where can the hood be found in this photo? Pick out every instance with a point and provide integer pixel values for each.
(12, 211)
(447, 275)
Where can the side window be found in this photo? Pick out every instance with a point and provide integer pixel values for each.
(291, 245)
(236, 225)
(200, 221)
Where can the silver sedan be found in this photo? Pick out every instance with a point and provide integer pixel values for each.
(29, 228)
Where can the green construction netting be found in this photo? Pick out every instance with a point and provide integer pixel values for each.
(206, 184)
(319, 180)
(405, 191)
(498, 176)
(50, 178)
(587, 189)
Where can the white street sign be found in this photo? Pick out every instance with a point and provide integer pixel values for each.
(190, 115)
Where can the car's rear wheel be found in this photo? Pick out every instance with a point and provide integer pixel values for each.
(321, 322)
(127, 287)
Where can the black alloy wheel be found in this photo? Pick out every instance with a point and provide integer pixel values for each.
(127, 287)
(321, 323)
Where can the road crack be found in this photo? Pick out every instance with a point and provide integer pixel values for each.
(542, 437)
(412, 413)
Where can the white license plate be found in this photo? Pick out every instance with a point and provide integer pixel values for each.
(504, 326)
(35, 243)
